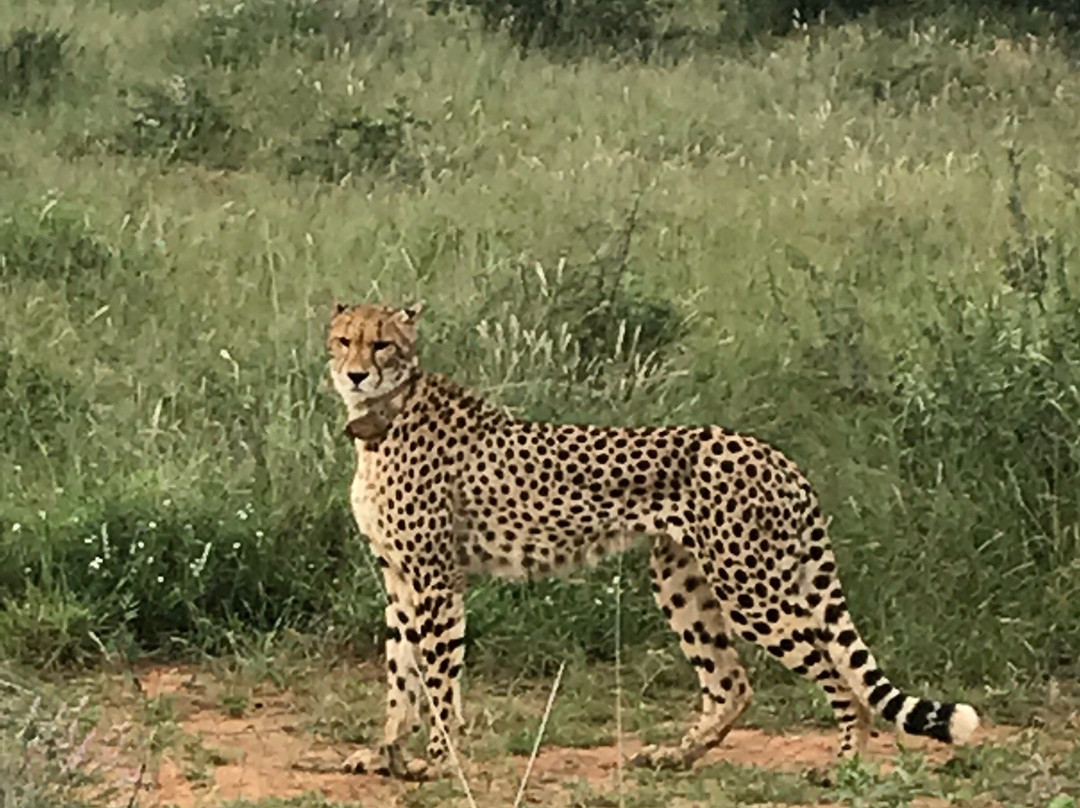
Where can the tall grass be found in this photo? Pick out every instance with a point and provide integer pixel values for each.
(856, 241)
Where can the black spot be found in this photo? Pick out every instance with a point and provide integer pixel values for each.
(879, 692)
(859, 658)
(834, 611)
(892, 708)
(916, 720)
(847, 637)
(939, 729)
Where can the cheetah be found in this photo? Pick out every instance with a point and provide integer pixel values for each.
(447, 484)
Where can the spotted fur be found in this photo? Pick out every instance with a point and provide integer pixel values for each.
(447, 484)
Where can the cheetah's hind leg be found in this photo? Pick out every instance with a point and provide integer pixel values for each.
(686, 598)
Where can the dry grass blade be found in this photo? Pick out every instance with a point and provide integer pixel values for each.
(539, 735)
(441, 726)
(618, 678)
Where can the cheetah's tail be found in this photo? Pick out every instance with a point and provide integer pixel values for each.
(944, 721)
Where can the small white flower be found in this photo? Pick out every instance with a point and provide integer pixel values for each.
(258, 535)
(236, 545)
(96, 563)
(88, 540)
(140, 544)
(149, 560)
(241, 515)
(166, 502)
(160, 579)
(15, 528)
(42, 514)
(152, 524)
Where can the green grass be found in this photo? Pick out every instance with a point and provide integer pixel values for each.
(857, 241)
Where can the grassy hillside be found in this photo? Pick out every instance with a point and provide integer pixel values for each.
(858, 241)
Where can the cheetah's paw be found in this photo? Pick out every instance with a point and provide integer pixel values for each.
(661, 757)
(385, 763)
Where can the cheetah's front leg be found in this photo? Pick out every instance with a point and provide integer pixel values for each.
(442, 638)
(402, 688)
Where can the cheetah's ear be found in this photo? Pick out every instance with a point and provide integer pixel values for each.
(410, 314)
(337, 307)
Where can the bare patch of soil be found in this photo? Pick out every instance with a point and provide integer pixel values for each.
(269, 752)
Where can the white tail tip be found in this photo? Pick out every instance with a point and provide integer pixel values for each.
(963, 723)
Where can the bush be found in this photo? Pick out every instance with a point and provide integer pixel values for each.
(30, 64)
(980, 413)
(241, 34)
(585, 332)
(359, 144)
(989, 413)
(178, 120)
(53, 244)
(628, 26)
(37, 407)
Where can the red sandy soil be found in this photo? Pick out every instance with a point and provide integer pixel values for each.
(267, 753)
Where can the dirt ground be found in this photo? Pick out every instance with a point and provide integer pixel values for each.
(213, 757)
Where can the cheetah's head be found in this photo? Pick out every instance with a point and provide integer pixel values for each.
(373, 351)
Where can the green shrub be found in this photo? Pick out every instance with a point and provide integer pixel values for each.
(53, 244)
(38, 408)
(240, 35)
(989, 413)
(981, 415)
(31, 62)
(178, 120)
(629, 26)
(359, 144)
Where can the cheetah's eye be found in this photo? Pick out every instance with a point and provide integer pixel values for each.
(379, 345)
(345, 341)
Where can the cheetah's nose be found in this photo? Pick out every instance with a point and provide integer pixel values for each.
(357, 376)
